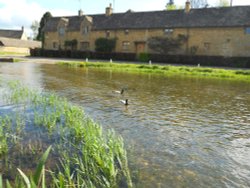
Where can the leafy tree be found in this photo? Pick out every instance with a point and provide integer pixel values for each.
(170, 5)
(105, 45)
(166, 45)
(198, 3)
(34, 27)
(43, 21)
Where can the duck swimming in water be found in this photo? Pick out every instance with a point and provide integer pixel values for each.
(125, 102)
(119, 92)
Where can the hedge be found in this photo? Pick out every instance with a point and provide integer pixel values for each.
(217, 61)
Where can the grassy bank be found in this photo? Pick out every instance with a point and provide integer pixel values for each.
(80, 153)
(243, 75)
(12, 53)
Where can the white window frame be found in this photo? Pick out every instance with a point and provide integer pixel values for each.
(61, 31)
(125, 45)
(85, 30)
(168, 31)
(83, 47)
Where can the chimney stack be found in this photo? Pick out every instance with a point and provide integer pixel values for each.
(109, 10)
(187, 6)
(80, 12)
(22, 28)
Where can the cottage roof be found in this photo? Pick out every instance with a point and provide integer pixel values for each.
(15, 34)
(237, 16)
(8, 42)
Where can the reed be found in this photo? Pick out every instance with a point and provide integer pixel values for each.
(242, 75)
(88, 156)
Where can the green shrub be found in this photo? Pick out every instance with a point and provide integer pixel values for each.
(242, 72)
(105, 45)
(144, 57)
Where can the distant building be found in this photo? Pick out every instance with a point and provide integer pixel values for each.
(16, 41)
(14, 34)
(223, 31)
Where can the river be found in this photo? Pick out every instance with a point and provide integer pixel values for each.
(179, 131)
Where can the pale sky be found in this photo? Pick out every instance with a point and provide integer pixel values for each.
(17, 13)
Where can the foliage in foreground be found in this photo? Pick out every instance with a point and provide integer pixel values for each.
(243, 75)
(84, 155)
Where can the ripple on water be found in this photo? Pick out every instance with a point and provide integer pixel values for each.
(180, 132)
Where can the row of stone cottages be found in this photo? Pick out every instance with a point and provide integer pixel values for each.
(223, 31)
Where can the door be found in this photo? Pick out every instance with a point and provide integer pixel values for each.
(140, 47)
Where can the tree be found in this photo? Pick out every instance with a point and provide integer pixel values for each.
(166, 45)
(198, 3)
(105, 45)
(34, 27)
(170, 5)
(43, 21)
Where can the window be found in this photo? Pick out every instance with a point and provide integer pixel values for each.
(126, 32)
(85, 46)
(108, 34)
(61, 31)
(247, 30)
(168, 31)
(55, 45)
(125, 45)
(85, 30)
(207, 46)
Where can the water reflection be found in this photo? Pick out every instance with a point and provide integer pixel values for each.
(179, 132)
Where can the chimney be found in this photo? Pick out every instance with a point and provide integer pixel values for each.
(80, 12)
(109, 10)
(187, 6)
(22, 28)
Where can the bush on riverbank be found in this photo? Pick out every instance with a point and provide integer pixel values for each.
(82, 154)
(218, 61)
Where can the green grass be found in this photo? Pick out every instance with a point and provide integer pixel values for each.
(12, 53)
(242, 75)
(17, 60)
(82, 154)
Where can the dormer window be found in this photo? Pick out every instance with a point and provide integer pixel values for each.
(107, 33)
(168, 31)
(247, 30)
(126, 32)
(61, 31)
(85, 30)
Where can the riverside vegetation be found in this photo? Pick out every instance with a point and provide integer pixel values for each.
(75, 151)
(242, 75)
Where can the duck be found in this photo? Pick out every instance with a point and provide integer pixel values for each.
(125, 102)
(119, 92)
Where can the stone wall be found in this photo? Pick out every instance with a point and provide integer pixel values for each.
(226, 42)
(15, 50)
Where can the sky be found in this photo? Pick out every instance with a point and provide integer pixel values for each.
(17, 13)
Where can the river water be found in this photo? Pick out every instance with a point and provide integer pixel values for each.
(179, 131)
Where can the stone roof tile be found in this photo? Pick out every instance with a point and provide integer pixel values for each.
(8, 42)
(237, 16)
(15, 34)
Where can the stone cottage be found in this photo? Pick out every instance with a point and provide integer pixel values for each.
(13, 34)
(223, 31)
